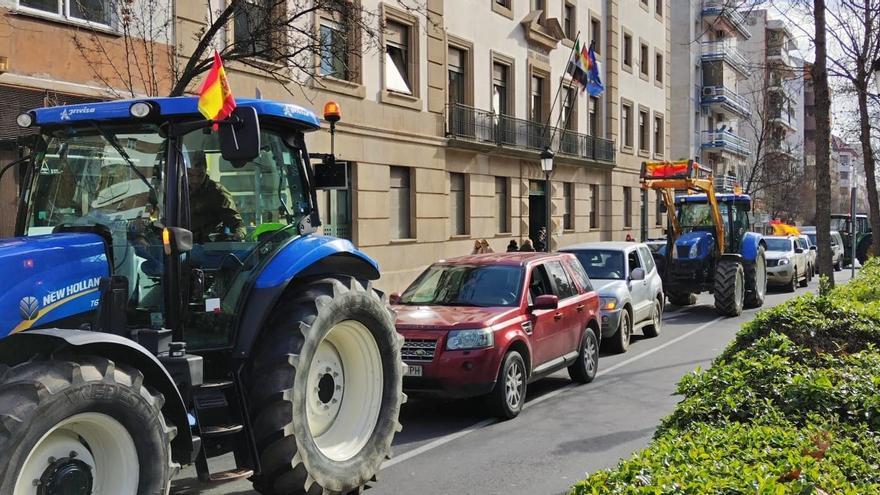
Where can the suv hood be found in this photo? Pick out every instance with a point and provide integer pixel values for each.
(609, 288)
(450, 317)
(775, 255)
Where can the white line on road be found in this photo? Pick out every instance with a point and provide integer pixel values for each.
(486, 422)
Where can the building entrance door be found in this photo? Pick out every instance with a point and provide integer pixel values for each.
(537, 210)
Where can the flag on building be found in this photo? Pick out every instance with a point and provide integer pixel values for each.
(594, 80)
(577, 67)
(215, 98)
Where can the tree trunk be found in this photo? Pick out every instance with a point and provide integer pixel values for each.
(868, 157)
(823, 145)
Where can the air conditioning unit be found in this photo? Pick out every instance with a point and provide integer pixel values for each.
(709, 91)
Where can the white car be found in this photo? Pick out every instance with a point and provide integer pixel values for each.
(836, 246)
(809, 248)
(786, 262)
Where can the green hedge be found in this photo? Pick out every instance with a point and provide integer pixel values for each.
(792, 406)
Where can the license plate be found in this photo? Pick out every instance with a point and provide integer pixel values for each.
(413, 370)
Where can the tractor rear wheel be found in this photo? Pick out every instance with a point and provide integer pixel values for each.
(325, 389)
(864, 250)
(756, 281)
(82, 424)
(729, 288)
(681, 298)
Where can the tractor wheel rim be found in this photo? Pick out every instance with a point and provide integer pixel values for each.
(344, 390)
(513, 385)
(84, 454)
(738, 288)
(761, 277)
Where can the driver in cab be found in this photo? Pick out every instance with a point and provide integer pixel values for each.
(213, 215)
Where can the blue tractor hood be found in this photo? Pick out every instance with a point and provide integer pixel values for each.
(685, 243)
(49, 278)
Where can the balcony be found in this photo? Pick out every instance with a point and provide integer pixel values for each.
(727, 99)
(728, 12)
(726, 51)
(783, 117)
(778, 54)
(480, 129)
(725, 141)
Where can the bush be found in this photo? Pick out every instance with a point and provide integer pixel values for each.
(791, 406)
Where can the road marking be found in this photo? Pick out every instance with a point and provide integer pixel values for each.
(487, 422)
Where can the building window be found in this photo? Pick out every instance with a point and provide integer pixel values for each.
(398, 58)
(627, 207)
(500, 88)
(596, 34)
(537, 99)
(658, 67)
(400, 203)
(250, 28)
(593, 120)
(658, 209)
(455, 62)
(643, 131)
(569, 20)
(594, 206)
(658, 7)
(457, 203)
(96, 11)
(626, 125)
(502, 196)
(643, 59)
(569, 109)
(540, 5)
(627, 50)
(644, 3)
(503, 3)
(334, 51)
(658, 135)
(567, 206)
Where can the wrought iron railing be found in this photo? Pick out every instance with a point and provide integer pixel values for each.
(726, 50)
(470, 124)
(727, 97)
(725, 140)
(729, 9)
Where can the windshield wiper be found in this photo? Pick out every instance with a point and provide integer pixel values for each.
(119, 149)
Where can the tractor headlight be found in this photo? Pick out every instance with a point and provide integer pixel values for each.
(692, 252)
(25, 120)
(470, 339)
(140, 109)
(784, 261)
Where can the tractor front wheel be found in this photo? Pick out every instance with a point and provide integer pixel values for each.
(82, 425)
(729, 288)
(681, 298)
(756, 281)
(326, 389)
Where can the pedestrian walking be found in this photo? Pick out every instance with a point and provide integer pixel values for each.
(485, 247)
(527, 246)
(477, 247)
(512, 246)
(541, 242)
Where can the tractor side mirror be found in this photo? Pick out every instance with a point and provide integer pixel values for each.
(240, 137)
(176, 240)
(637, 274)
(394, 298)
(331, 175)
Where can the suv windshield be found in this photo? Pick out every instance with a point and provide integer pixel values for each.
(783, 245)
(602, 264)
(466, 285)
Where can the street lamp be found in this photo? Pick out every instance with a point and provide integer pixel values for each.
(547, 167)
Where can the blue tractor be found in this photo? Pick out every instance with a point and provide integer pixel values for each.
(142, 329)
(708, 245)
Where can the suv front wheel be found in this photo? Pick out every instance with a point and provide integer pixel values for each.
(509, 395)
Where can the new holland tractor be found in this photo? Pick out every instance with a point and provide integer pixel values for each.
(860, 235)
(708, 245)
(133, 345)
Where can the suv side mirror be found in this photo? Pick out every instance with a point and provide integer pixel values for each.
(240, 136)
(394, 298)
(637, 274)
(546, 301)
(814, 248)
(798, 250)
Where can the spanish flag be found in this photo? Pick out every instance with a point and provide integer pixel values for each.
(215, 98)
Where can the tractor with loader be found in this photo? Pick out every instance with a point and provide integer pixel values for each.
(708, 245)
(131, 347)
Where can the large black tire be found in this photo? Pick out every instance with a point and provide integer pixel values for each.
(653, 328)
(587, 365)
(619, 342)
(82, 401)
(287, 370)
(509, 395)
(838, 266)
(681, 298)
(864, 250)
(756, 280)
(729, 288)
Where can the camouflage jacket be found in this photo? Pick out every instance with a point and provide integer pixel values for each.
(212, 211)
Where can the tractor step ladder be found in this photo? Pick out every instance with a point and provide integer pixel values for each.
(220, 422)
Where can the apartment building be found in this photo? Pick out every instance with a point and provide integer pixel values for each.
(849, 171)
(709, 85)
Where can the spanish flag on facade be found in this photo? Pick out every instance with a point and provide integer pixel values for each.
(215, 98)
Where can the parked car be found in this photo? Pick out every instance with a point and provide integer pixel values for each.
(786, 262)
(630, 289)
(487, 325)
(837, 258)
(809, 248)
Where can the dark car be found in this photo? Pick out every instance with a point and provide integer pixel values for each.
(487, 325)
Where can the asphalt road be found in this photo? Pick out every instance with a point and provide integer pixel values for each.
(565, 431)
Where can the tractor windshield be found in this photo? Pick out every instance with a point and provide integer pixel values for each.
(114, 176)
(698, 216)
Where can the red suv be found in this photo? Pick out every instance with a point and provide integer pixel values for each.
(489, 324)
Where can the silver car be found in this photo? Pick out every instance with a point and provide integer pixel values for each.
(629, 286)
(836, 246)
(786, 262)
(809, 248)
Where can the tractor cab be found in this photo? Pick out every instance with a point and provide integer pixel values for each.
(104, 167)
(694, 214)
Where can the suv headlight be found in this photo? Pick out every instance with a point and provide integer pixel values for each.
(470, 339)
(692, 253)
(607, 303)
(784, 261)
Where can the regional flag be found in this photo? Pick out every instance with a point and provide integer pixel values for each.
(576, 67)
(215, 98)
